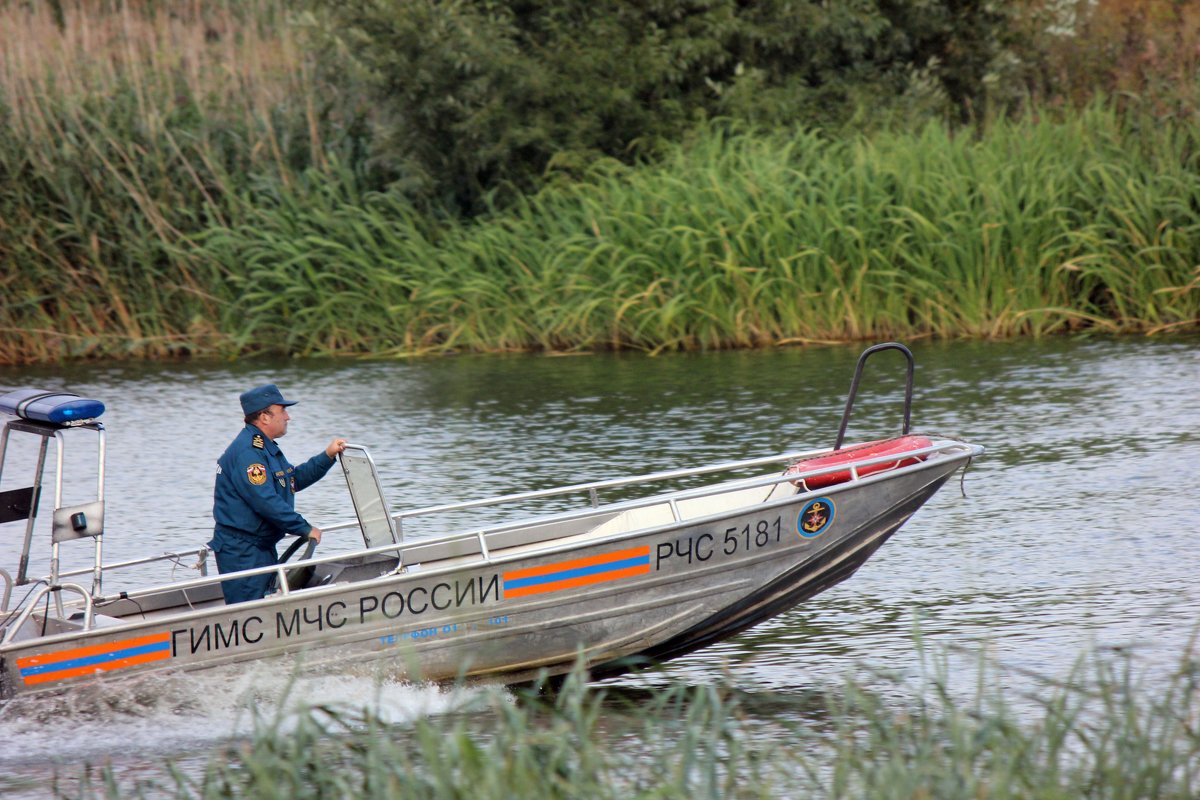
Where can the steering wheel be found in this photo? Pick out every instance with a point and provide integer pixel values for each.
(297, 578)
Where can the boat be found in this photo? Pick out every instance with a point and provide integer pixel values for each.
(619, 584)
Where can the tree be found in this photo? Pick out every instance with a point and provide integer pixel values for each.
(479, 96)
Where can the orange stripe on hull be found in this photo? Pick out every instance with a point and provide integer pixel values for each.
(91, 669)
(586, 580)
(562, 566)
(92, 650)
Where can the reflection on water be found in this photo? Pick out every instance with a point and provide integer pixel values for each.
(1077, 528)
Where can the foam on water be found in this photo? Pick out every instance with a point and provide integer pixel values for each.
(178, 713)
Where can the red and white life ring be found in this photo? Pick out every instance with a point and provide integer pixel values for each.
(883, 447)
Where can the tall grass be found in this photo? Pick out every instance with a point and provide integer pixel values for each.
(1103, 731)
(124, 127)
(175, 179)
(1031, 228)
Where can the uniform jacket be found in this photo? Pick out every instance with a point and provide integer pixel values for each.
(255, 493)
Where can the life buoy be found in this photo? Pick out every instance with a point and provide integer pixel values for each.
(882, 447)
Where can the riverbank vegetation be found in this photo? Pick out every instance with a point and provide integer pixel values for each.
(1102, 731)
(396, 178)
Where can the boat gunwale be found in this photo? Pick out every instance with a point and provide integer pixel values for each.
(563, 516)
(944, 446)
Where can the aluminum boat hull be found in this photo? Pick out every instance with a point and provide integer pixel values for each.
(618, 600)
(613, 587)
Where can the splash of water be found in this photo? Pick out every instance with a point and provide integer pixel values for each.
(172, 713)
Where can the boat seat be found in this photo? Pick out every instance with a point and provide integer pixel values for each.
(634, 519)
(352, 570)
(661, 514)
(725, 501)
(98, 620)
(168, 601)
(784, 489)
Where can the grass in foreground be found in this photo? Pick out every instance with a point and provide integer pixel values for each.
(1102, 732)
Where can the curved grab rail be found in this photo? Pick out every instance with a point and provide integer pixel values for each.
(8, 585)
(858, 369)
(88, 609)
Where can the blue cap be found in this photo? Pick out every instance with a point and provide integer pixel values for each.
(260, 397)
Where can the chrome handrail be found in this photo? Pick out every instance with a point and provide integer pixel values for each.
(947, 446)
(8, 585)
(609, 483)
(858, 369)
(590, 487)
(10, 631)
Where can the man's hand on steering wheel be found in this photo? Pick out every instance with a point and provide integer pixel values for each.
(298, 578)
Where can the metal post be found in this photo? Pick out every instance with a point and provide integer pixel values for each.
(8, 584)
(97, 571)
(23, 566)
(58, 487)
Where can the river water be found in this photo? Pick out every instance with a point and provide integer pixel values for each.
(1077, 530)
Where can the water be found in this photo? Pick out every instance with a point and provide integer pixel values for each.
(1076, 532)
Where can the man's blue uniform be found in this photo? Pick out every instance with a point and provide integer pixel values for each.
(254, 506)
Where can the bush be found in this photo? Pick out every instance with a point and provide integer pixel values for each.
(480, 97)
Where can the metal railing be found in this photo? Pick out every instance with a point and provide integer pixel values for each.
(10, 631)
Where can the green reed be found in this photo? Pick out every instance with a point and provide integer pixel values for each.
(1030, 228)
(181, 183)
(1102, 731)
(127, 126)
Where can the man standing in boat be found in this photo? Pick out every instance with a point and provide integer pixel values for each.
(254, 500)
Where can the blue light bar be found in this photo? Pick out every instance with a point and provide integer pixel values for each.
(57, 408)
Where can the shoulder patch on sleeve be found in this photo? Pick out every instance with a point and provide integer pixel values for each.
(257, 474)
(257, 441)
